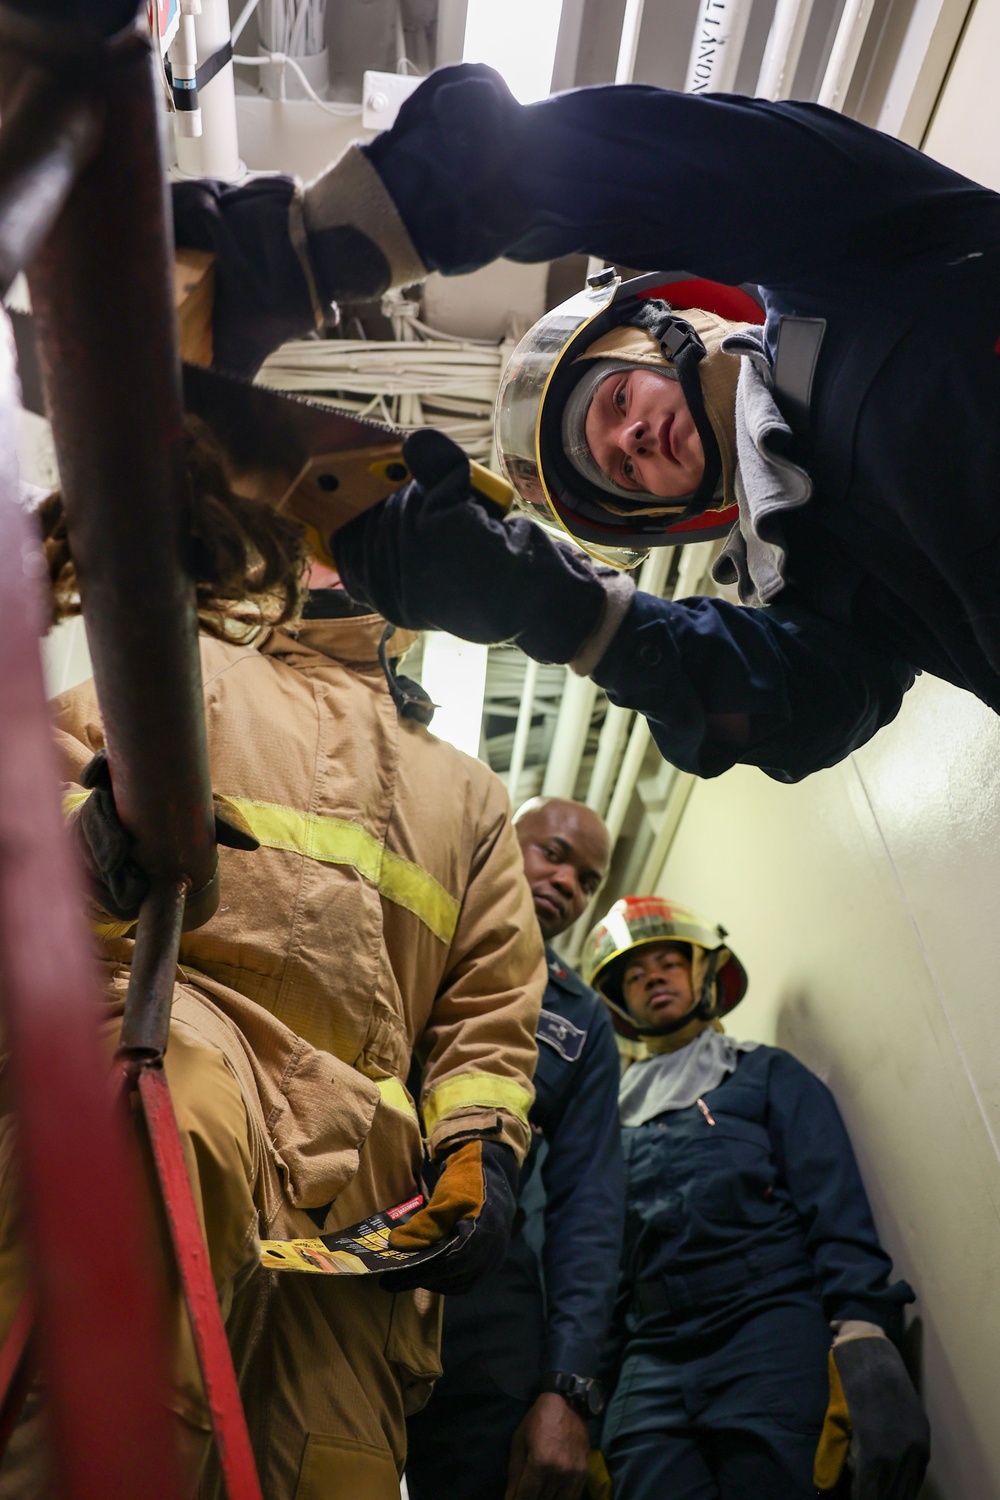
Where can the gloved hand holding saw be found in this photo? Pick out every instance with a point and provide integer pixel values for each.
(875, 1423)
(438, 555)
(120, 882)
(475, 1196)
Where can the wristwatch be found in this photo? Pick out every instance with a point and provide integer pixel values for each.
(582, 1392)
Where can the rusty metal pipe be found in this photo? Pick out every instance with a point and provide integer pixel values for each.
(90, 1255)
(146, 1021)
(47, 136)
(102, 295)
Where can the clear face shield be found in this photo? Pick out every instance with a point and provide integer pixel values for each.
(553, 340)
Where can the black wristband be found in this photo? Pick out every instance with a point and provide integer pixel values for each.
(581, 1392)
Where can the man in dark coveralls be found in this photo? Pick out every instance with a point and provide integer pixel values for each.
(879, 271)
(510, 1414)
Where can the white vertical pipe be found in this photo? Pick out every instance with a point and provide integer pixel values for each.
(609, 746)
(570, 738)
(522, 729)
(216, 151)
(783, 48)
(652, 577)
(628, 47)
(635, 754)
(677, 801)
(716, 46)
(846, 50)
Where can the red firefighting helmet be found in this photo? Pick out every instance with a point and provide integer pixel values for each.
(639, 921)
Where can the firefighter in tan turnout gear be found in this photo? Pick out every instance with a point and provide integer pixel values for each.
(385, 912)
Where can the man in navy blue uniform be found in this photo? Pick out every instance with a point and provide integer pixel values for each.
(860, 455)
(756, 1321)
(510, 1415)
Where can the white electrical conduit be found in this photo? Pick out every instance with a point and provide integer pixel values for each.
(846, 50)
(570, 739)
(783, 48)
(680, 790)
(652, 577)
(577, 708)
(241, 20)
(716, 46)
(628, 47)
(525, 713)
(284, 61)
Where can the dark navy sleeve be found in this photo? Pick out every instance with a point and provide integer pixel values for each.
(732, 188)
(816, 1160)
(811, 688)
(584, 1208)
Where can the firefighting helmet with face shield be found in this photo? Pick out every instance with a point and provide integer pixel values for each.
(683, 320)
(718, 979)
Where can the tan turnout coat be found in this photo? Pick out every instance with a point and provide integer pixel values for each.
(386, 911)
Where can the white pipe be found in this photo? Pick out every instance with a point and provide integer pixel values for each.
(677, 801)
(846, 50)
(783, 49)
(694, 565)
(242, 19)
(184, 65)
(609, 746)
(569, 741)
(635, 754)
(716, 46)
(525, 713)
(216, 151)
(651, 580)
(628, 47)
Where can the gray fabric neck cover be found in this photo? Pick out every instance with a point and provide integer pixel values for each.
(676, 1080)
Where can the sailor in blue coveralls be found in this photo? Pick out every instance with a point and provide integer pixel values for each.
(752, 1321)
(510, 1415)
(861, 455)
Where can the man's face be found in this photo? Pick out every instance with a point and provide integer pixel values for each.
(642, 435)
(565, 849)
(656, 984)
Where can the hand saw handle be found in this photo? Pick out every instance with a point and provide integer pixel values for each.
(491, 486)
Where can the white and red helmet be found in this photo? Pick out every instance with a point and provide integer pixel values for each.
(537, 383)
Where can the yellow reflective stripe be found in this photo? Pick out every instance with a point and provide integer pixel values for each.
(111, 930)
(335, 841)
(394, 1094)
(475, 1091)
(73, 800)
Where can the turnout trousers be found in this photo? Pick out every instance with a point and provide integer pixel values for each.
(735, 1418)
(329, 1367)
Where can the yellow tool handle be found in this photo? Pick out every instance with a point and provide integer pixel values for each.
(488, 484)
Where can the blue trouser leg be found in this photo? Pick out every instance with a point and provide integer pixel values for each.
(739, 1421)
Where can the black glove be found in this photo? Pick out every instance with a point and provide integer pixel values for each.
(261, 295)
(121, 883)
(436, 555)
(475, 1195)
(875, 1423)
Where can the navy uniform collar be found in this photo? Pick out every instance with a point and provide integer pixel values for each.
(561, 975)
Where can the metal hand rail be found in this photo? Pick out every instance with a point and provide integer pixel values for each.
(83, 208)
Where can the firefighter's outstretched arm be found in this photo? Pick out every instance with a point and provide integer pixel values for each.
(778, 688)
(641, 176)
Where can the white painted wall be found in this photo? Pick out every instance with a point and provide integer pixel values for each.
(965, 129)
(864, 903)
